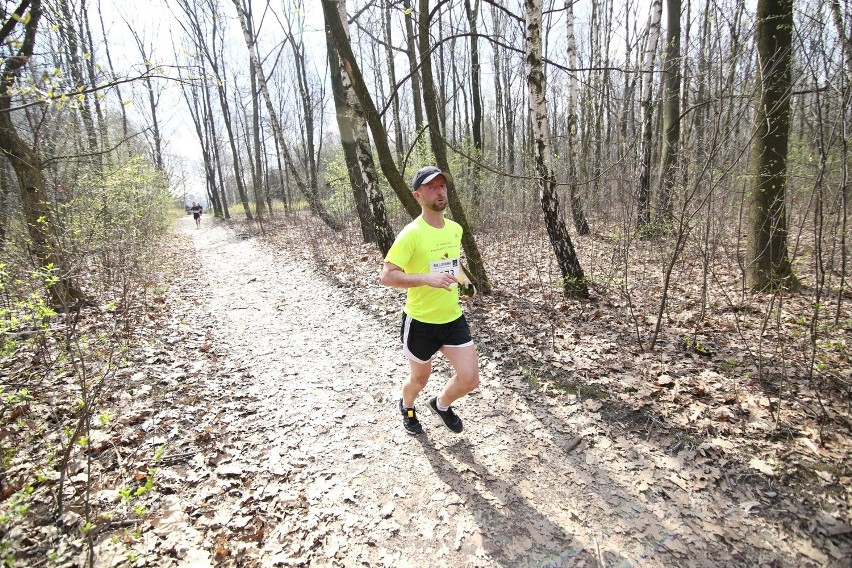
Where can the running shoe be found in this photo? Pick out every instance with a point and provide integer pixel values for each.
(450, 418)
(409, 419)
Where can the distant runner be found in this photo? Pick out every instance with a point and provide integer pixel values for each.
(425, 259)
(197, 210)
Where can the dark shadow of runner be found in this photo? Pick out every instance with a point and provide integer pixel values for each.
(513, 533)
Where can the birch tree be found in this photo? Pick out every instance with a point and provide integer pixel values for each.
(573, 279)
(577, 212)
(646, 144)
(341, 42)
(356, 141)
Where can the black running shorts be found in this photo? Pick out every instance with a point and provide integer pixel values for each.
(420, 341)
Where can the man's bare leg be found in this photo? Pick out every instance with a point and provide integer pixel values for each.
(417, 380)
(465, 362)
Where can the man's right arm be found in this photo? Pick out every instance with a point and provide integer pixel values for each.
(393, 275)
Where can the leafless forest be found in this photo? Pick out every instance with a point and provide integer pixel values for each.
(655, 195)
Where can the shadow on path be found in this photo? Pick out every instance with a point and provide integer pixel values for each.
(510, 530)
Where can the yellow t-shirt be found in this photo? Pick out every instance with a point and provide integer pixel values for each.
(420, 248)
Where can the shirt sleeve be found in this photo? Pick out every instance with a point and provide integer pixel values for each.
(401, 250)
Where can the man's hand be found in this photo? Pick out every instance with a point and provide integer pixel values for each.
(440, 280)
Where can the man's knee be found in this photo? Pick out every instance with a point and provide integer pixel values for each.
(419, 377)
(468, 381)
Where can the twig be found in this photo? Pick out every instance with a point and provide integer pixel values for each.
(172, 457)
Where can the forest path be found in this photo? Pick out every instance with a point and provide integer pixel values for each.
(306, 461)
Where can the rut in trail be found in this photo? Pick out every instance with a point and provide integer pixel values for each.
(307, 462)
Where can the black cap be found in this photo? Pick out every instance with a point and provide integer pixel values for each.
(427, 174)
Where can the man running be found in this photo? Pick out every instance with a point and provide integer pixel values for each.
(425, 259)
(197, 210)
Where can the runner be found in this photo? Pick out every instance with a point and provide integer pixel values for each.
(424, 259)
(196, 213)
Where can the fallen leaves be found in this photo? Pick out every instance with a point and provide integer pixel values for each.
(582, 441)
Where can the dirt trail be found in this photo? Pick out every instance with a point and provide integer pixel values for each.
(306, 461)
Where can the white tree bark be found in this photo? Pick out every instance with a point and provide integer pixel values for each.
(579, 216)
(644, 193)
(369, 174)
(573, 280)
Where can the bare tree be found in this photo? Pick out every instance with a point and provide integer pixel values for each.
(194, 102)
(414, 74)
(211, 136)
(212, 55)
(439, 149)
(356, 144)
(767, 262)
(671, 113)
(644, 192)
(341, 41)
(307, 122)
(845, 182)
(391, 68)
(72, 40)
(573, 279)
(309, 191)
(345, 117)
(257, 169)
(472, 11)
(577, 212)
(146, 52)
(124, 120)
(91, 66)
(27, 163)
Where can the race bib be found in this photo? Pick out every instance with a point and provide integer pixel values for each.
(445, 265)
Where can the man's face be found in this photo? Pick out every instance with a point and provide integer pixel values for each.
(433, 194)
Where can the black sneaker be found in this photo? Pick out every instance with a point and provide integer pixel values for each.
(450, 418)
(409, 419)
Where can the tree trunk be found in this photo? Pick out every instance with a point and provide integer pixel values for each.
(259, 202)
(644, 193)
(439, 149)
(391, 68)
(364, 167)
(500, 122)
(213, 145)
(476, 99)
(767, 263)
(64, 292)
(232, 141)
(153, 98)
(257, 163)
(345, 118)
(308, 123)
(194, 104)
(91, 68)
(337, 30)
(845, 182)
(71, 37)
(573, 279)
(5, 186)
(671, 114)
(124, 120)
(577, 212)
(411, 43)
(211, 55)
